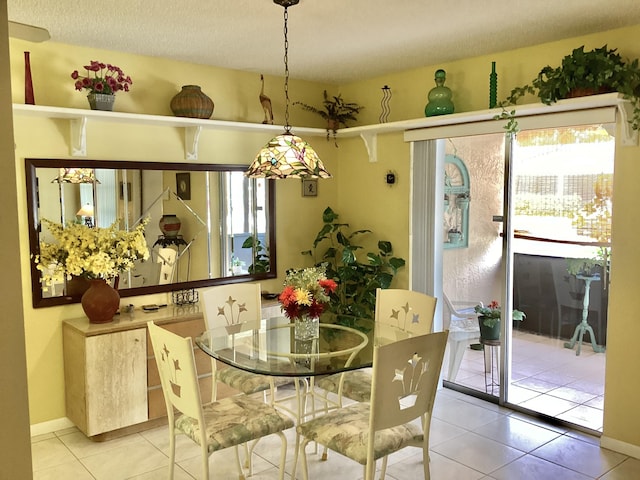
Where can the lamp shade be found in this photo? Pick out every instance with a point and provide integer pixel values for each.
(287, 156)
(85, 211)
(76, 175)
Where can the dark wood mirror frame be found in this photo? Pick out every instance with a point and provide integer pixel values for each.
(31, 164)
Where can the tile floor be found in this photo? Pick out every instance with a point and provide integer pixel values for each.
(470, 439)
(548, 378)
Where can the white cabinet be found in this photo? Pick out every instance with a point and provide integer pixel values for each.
(106, 379)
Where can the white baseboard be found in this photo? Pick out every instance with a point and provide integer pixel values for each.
(51, 426)
(620, 447)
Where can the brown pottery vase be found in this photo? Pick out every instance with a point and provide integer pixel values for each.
(100, 302)
(191, 102)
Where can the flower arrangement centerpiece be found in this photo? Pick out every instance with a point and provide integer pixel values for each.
(491, 314)
(304, 297)
(97, 254)
(102, 79)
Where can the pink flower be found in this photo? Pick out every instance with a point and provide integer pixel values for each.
(102, 78)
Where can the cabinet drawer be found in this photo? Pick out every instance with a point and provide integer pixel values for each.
(203, 367)
(157, 407)
(188, 328)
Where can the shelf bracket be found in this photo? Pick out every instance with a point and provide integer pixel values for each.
(78, 132)
(371, 143)
(629, 135)
(191, 138)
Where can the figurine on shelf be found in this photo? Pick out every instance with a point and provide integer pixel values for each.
(266, 104)
(439, 97)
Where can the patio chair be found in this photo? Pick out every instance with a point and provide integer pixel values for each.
(405, 380)
(463, 330)
(231, 422)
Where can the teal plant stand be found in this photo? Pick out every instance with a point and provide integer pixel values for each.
(584, 326)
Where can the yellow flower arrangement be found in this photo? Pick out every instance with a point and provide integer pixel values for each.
(88, 252)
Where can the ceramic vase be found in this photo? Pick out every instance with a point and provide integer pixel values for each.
(100, 302)
(306, 327)
(101, 101)
(170, 225)
(191, 102)
(29, 97)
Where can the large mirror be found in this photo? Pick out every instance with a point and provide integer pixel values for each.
(208, 223)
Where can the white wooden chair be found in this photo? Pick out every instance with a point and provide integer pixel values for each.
(405, 380)
(238, 308)
(228, 423)
(399, 313)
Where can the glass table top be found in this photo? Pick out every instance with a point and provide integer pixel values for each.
(273, 350)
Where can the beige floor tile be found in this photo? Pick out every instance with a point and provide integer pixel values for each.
(532, 468)
(626, 470)
(125, 461)
(478, 452)
(517, 433)
(50, 453)
(580, 456)
(69, 470)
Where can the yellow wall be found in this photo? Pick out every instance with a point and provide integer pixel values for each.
(155, 82)
(363, 195)
(357, 191)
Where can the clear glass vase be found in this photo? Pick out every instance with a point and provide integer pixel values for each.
(306, 327)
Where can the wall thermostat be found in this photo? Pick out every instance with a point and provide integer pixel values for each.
(390, 178)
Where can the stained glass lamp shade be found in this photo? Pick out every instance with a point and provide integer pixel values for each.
(76, 175)
(287, 156)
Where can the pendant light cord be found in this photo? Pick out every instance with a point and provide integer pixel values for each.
(287, 127)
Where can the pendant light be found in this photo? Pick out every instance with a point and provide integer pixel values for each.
(287, 155)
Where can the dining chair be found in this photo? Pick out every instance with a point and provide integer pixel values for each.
(229, 422)
(237, 307)
(404, 384)
(399, 313)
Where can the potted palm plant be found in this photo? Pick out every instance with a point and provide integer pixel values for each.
(489, 319)
(601, 70)
(335, 111)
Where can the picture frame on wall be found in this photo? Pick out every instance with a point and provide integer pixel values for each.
(183, 185)
(310, 187)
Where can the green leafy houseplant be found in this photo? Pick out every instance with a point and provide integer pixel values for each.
(492, 313)
(260, 255)
(600, 70)
(335, 248)
(335, 111)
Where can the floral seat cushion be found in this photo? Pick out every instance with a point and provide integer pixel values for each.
(247, 382)
(346, 431)
(236, 420)
(356, 385)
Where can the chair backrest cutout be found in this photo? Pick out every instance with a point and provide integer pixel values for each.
(232, 304)
(406, 310)
(405, 379)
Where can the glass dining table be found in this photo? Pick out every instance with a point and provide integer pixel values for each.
(273, 350)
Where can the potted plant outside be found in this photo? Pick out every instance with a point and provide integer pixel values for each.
(581, 73)
(335, 111)
(489, 320)
(454, 235)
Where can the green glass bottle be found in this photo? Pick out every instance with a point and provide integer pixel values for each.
(439, 97)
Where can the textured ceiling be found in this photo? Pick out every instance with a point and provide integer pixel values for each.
(335, 41)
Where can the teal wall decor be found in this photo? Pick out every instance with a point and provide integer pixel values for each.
(456, 203)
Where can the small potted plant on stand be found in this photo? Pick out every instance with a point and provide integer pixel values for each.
(581, 73)
(335, 111)
(489, 320)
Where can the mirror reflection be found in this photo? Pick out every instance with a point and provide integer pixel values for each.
(208, 224)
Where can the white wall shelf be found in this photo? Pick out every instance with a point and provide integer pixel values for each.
(80, 120)
(369, 133)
